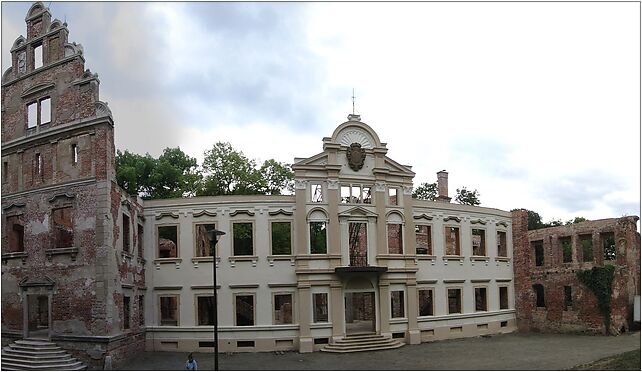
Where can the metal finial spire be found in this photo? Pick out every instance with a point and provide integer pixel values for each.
(353, 97)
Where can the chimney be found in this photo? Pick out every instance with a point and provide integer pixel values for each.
(442, 186)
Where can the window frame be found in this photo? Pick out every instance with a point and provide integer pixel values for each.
(129, 232)
(244, 221)
(482, 244)
(271, 232)
(197, 308)
(283, 293)
(537, 302)
(582, 238)
(195, 230)
(310, 236)
(533, 247)
(480, 287)
(431, 250)
(178, 309)
(603, 236)
(499, 297)
(403, 304)
(238, 294)
(561, 241)
(461, 300)
(568, 298)
(497, 232)
(53, 231)
(38, 62)
(432, 300)
(327, 307)
(38, 112)
(388, 196)
(127, 323)
(178, 239)
(312, 193)
(458, 241)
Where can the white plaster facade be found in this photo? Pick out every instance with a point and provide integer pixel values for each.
(302, 274)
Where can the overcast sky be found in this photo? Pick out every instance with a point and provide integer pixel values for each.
(536, 105)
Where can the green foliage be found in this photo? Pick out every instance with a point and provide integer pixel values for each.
(276, 177)
(575, 220)
(463, 196)
(318, 238)
(281, 238)
(426, 191)
(599, 280)
(133, 170)
(535, 220)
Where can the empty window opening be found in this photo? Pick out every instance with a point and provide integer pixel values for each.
(395, 238)
(568, 298)
(169, 310)
(367, 195)
(452, 241)
(16, 233)
(167, 241)
(244, 343)
(5, 171)
(141, 310)
(397, 304)
(426, 302)
(358, 242)
(392, 196)
(608, 243)
(126, 312)
(204, 246)
(63, 227)
(243, 239)
(37, 56)
(318, 238)
(479, 242)
(482, 326)
(74, 154)
(503, 298)
(502, 250)
(205, 310)
(38, 165)
(206, 344)
(481, 303)
(539, 295)
(317, 193)
(281, 238)
(456, 329)
(538, 246)
(244, 310)
(321, 341)
(586, 241)
(503, 324)
(320, 303)
(345, 194)
(32, 115)
(45, 111)
(126, 234)
(454, 300)
(283, 308)
(399, 335)
(567, 249)
(356, 194)
(140, 240)
(423, 239)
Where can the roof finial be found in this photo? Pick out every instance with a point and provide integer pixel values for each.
(353, 116)
(353, 97)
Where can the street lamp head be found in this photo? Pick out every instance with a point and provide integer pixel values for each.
(214, 234)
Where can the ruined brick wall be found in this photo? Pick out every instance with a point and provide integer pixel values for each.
(579, 312)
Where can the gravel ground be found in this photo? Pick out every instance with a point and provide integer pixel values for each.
(516, 351)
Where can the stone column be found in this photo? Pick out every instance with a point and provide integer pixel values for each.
(380, 199)
(337, 312)
(414, 335)
(300, 221)
(306, 344)
(334, 229)
(384, 308)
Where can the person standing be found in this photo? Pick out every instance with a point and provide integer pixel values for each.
(191, 364)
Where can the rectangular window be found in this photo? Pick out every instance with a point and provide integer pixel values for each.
(454, 300)
(345, 194)
(243, 239)
(568, 298)
(244, 310)
(539, 295)
(281, 238)
(479, 242)
(38, 165)
(140, 240)
(367, 195)
(141, 310)
(16, 234)
(356, 194)
(5, 171)
(538, 247)
(126, 235)
(283, 308)
(503, 298)
(205, 308)
(45, 111)
(320, 304)
(318, 238)
(392, 196)
(126, 312)
(567, 249)
(423, 237)
(205, 246)
(397, 305)
(502, 248)
(586, 241)
(481, 303)
(32, 115)
(169, 310)
(608, 243)
(395, 239)
(167, 241)
(37, 56)
(63, 227)
(358, 242)
(317, 193)
(426, 302)
(452, 241)
(74, 154)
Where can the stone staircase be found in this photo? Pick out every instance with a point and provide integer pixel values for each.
(37, 355)
(362, 342)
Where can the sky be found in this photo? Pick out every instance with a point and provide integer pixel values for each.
(535, 105)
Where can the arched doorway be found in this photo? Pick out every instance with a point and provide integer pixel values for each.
(360, 309)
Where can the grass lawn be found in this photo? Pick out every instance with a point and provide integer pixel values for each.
(629, 361)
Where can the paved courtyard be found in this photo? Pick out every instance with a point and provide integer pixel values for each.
(517, 351)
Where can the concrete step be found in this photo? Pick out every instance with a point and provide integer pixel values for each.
(37, 355)
(8, 349)
(363, 336)
(72, 366)
(34, 342)
(35, 358)
(347, 341)
(35, 348)
(334, 349)
(363, 345)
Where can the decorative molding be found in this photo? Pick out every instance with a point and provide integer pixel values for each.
(168, 287)
(166, 214)
(14, 205)
(242, 211)
(66, 195)
(480, 280)
(127, 204)
(352, 135)
(176, 261)
(72, 251)
(452, 218)
(102, 109)
(272, 258)
(423, 216)
(407, 190)
(454, 281)
(282, 285)
(280, 211)
(300, 185)
(218, 286)
(45, 282)
(503, 280)
(502, 223)
(333, 184)
(13, 255)
(203, 212)
(128, 286)
(433, 281)
(478, 221)
(37, 89)
(236, 286)
(380, 186)
(233, 259)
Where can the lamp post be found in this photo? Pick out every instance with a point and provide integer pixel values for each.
(213, 236)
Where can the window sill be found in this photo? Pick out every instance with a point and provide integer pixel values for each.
(162, 261)
(502, 259)
(126, 256)
(273, 258)
(426, 257)
(398, 320)
(317, 256)
(197, 260)
(14, 255)
(474, 259)
(446, 259)
(234, 259)
(397, 256)
(72, 251)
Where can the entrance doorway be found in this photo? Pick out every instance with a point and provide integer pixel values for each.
(360, 312)
(38, 316)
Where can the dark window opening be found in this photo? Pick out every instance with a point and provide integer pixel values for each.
(479, 242)
(126, 312)
(399, 335)
(16, 233)
(567, 249)
(320, 303)
(539, 252)
(452, 241)
(321, 341)
(608, 243)
(481, 303)
(126, 234)
(318, 238)
(423, 239)
(204, 246)
(205, 310)
(169, 310)
(206, 344)
(5, 171)
(167, 241)
(502, 250)
(140, 240)
(425, 302)
(586, 241)
(243, 239)
(454, 300)
(503, 324)
(244, 310)
(283, 309)
(568, 298)
(281, 238)
(503, 298)
(397, 304)
(63, 227)
(395, 238)
(539, 295)
(141, 310)
(244, 343)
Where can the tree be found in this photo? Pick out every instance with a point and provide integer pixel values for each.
(576, 220)
(426, 191)
(276, 177)
(463, 196)
(132, 172)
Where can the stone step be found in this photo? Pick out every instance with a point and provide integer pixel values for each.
(362, 345)
(38, 355)
(34, 357)
(35, 342)
(349, 341)
(75, 366)
(36, 348)
(334, 349)
(8, 349)
(363, 336)
(36, 362)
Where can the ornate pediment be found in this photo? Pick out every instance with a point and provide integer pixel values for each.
(44, 282)
(357, 212)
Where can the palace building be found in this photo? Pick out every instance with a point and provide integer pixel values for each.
(350, 261)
